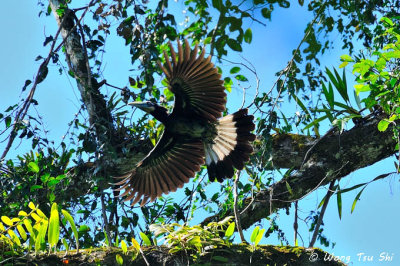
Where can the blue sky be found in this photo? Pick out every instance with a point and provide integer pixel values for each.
(371, 229)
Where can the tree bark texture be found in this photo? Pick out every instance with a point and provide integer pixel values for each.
(159, 255)
(334, 156)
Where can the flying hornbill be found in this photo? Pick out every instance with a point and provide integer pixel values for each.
(193, 131)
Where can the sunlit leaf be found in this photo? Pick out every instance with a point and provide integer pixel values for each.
(383, 125)
(124, 247)
(145, 239)
(119, 259)
(7, 221)
(33, 167)
(21, 232)
(54, 226)
(254, 234)
(234, 70)
(135, 244)
(230, 230)
(260, 234)
(73, 226)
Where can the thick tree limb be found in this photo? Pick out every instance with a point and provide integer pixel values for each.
(332, 157)
(233, 255)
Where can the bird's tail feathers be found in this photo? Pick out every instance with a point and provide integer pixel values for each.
(231, 147)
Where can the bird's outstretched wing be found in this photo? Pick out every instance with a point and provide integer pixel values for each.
(171, 163)
(196, 83)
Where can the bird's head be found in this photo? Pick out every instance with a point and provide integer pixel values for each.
(146, 106)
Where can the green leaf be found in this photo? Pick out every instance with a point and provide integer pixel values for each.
(248, 35)
(383, 125)
(220, 258)
(73, 226)
(8, 121)
(228, 84)
(218, 4)
(54, 226)
(254, 234)
(234, 70)
(289, 188)
(145, 239)
(35, 187)
(346, 58)
(234, 45)
(388, 21)
(315, 122)
(65, 244)
(329, 95)
(339, 202)
(322, 202)
(356, 200)
(352, 188)
(300, 103)
(84, 228)
(33, 167)
(230, 230)
(119, 259)
(266, 13)
(241, 78)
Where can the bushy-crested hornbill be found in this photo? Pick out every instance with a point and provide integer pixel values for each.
(192, 130)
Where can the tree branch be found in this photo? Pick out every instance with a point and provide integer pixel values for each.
(359, 147)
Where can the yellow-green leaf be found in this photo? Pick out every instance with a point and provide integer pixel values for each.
(22, 213)
(41, 214)
(28, 227)
(73, 226)
(124, 247)
(14, 237)
(21, 232)
(65, 244)
(32, 206)
(383, 125)
(259, 236)
(54, 226)
(230, 230)
(7, 221)
(36, 217)
(145, 239)
(2, 229)
(254, 234)
(33, 167)
(119, 259)
(135, 244)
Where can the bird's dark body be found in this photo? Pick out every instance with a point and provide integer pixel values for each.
(195, 131)
(191, 128)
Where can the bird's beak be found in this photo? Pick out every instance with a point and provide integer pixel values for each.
(138, 104)
(142, 106)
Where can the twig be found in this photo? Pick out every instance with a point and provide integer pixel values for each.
(321, 215)
(235, 208)
(290, 63)
(23, 111)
